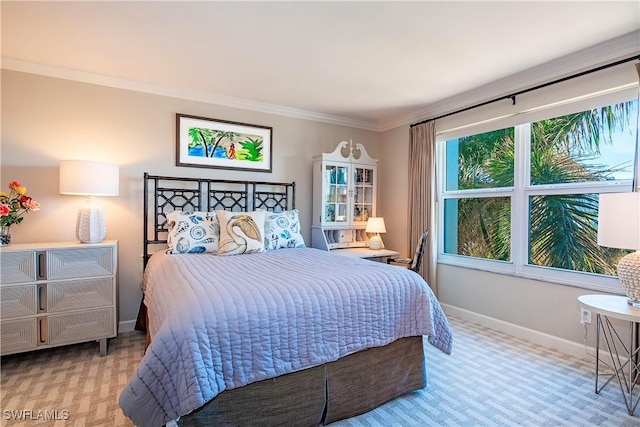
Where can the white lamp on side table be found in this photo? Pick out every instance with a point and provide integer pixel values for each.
(376, 226)
(619, 227)
(88, 178)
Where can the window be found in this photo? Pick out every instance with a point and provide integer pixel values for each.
(479, 227)
(524, 199)
(477, 217)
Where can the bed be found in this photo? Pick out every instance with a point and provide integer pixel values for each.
(289, 336)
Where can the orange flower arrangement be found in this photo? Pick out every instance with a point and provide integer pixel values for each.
(15, 204)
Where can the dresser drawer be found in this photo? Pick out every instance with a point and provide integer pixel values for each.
(80, 262)
(17, 267)
(79, 294)
(81, 326)
(19, 335)
(18, 301)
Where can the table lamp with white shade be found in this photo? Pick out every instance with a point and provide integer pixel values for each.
(375, 225)
(89, 178)
(619, 227)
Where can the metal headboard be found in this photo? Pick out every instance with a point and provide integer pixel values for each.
(164, 194)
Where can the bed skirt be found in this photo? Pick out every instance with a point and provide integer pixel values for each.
(350, 386)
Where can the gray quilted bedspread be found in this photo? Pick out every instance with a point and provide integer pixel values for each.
(223, 322)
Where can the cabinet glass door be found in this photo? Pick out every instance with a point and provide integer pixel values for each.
(363, 194)
(337, 193)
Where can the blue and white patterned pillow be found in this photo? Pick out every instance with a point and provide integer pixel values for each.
(193, 232)
(282, 230)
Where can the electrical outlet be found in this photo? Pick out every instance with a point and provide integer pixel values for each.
(585, 315)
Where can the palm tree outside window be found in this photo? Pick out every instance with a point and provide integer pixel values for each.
(565, 162)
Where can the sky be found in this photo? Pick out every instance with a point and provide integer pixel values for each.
(622, 149)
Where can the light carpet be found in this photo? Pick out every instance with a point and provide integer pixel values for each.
(491, 379)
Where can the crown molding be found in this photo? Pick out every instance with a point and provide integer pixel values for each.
(617, 48)
(227, 101)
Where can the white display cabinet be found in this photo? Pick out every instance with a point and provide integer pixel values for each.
(344, 196)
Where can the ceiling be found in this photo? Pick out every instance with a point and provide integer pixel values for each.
(369, 64)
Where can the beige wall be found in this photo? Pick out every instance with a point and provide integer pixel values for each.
(548, 308)
(393, 187)
(45, 120)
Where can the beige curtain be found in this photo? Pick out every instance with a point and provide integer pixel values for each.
(422, 196)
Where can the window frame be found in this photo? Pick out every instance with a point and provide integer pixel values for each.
(520, 193)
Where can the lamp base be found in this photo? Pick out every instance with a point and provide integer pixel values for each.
(375, 243)
(633, 303)
(629, 274)
(90, 227)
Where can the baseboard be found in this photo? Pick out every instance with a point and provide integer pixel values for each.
(126, 326)
(536, 337)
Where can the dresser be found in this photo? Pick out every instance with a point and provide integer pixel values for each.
(54, 294)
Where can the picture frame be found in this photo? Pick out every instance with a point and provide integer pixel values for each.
(203, 142)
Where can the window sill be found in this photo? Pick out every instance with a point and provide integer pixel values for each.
(592, 282)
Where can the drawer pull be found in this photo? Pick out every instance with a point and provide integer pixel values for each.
(42, 297)
(42, 265)
(43, 331)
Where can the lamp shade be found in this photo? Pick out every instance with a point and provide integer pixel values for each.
(88, 178)
(619, 227)
(376, 225)
(619, 220)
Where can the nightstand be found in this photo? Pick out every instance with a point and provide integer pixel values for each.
(55, 294)
(624, 356)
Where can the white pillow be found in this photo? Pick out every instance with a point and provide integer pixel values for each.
(192, 232)
(241, 232)
(282, 230)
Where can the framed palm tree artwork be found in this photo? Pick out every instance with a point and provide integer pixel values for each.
(209, 143)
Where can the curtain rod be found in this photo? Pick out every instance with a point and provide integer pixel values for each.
(514, 94)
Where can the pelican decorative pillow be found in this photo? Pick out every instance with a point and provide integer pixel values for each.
(241, 232)
(192, 232)
(282, 230)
